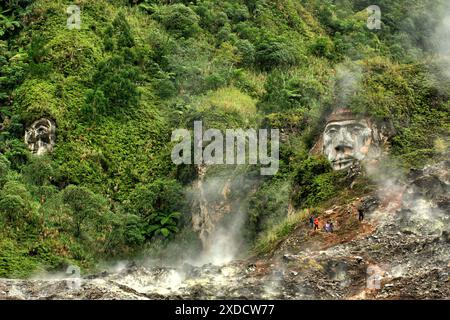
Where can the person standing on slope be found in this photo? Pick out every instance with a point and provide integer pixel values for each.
(316, 224)
(360, 214)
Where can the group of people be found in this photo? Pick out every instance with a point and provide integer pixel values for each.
(314, 223)
(328, 227)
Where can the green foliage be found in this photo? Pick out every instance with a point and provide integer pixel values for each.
(120, 85)
(276, 233)
(37, 53)
(122, 29)
(13, 67)
(268, 206)
(11, 13)
(286, 92)
(135, 230)
(69, 53)
(12, 208)
(7, 23)
(116, 88)
(323, 47)
(16, 206)
(275, 53)
(39, 171)
(314, 182)
(157, 204)
(15, 152)
(163, 224)
(161, 195)
(37, 98)
(179, 20)
(15, 261)
(84, 206)
(4, 168)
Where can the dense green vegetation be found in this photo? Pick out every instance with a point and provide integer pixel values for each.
(136, 70)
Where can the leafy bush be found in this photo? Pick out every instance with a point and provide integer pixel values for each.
(247, 52)
(179, 20)
(15, 260)
(121, 27)
(314, 181)
(135, 230)
(37, 54)
(322, 47)
(275, 53)
(12, 208)
(163, 224)
(116, 88)
(4, 168)
(268, 206)
(158, 204)
(288, 91)
(17, 209)
(39, 171)
(84, 206)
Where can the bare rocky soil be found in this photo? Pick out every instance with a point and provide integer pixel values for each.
(400, 251)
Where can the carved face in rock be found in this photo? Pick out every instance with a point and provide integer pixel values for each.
(347, 140)
(40, 136)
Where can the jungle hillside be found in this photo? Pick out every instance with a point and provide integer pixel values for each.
(136, 70)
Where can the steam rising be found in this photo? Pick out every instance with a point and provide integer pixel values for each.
(218, 215)
(403, 203)
(441, 37)
(348, 79)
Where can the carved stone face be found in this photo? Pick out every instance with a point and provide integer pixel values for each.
(346, 142)
(40, 136)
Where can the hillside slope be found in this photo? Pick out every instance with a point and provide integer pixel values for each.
(135, 71)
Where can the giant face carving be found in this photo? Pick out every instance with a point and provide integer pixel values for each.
(348, 139)
(40, 136)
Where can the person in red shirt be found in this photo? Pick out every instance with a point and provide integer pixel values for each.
(316, 224)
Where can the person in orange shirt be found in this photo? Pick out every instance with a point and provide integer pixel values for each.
(316, 224)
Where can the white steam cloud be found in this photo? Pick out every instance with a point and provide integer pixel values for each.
(348, 79)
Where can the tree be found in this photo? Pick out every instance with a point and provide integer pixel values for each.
(122, 30)
(179, 20)
(39, 171)
(12, 208)
(158, 204)
(314, 181)
(84, 205)
(16, 205)
(4, 168)
(116, 87)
